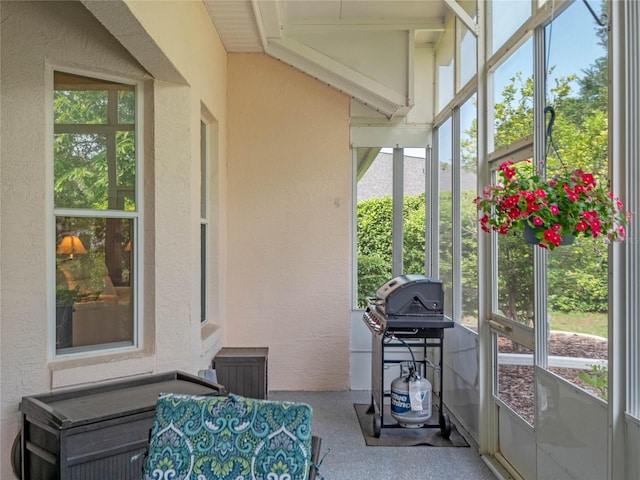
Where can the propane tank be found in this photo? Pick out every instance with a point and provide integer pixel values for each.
(411, 399)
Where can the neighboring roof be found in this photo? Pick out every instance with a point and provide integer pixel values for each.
(376, 182)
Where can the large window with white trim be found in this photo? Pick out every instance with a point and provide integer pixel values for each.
(96, 213)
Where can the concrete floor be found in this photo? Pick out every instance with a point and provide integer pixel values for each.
(349, 458)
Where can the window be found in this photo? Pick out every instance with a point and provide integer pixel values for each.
(445, 208)
(204, 221)
(96, 212)
(468, 60)
(513, 97)
(564, 297)
(507, 16)
(468, 213)
(445, 66)
(577, 275)
(390, 216)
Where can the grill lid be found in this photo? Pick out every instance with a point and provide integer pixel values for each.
(411, 295)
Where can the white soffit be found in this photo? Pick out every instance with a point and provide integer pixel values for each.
(236, 25)
(361, 47)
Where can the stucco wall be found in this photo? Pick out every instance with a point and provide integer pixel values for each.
(38, 36)
(289, 200)
(32, 35)
(287, 275)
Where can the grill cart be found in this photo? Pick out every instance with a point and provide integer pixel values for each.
(407, 313)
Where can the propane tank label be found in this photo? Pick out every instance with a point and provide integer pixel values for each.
(411, 401)
(415, 396)
(400, 402)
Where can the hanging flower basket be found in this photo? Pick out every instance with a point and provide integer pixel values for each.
(569, 203)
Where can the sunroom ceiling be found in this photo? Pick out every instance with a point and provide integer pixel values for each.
(361, 47)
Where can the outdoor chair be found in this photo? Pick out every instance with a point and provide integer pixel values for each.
(230, 438)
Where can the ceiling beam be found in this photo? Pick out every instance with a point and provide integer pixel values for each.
(365, 89)
(463, 16)
(335, 25)
(268, 17)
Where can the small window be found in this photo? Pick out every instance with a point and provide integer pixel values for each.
(204, 220)
(506, 17)
(96, 212)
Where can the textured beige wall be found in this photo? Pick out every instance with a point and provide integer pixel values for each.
(289, 200)
(33, 34)
(35, 37)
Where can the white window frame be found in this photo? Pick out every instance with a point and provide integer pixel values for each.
(204, 221)
(136, 216)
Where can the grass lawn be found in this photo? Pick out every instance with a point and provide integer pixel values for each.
(587, 322)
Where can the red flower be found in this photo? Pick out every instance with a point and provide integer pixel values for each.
(552, 237)
(508, 171)
(588, 179)
(510, 202)
(533, 207)
(514, 213)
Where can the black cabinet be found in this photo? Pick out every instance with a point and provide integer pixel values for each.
(243, 370)
(99, 432)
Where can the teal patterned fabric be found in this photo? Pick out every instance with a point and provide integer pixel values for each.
(228, 438)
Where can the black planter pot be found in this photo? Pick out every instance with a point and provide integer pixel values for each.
(531, 239)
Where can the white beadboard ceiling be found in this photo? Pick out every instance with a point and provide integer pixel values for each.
(349, 44)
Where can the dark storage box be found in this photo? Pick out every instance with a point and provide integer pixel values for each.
(243, 371)
(99, 432)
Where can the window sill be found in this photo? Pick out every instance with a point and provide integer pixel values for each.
(211, 338)
(78, 371)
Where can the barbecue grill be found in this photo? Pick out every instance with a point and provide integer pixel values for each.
(407, 312)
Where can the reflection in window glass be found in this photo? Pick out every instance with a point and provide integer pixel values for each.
(94, 154)
(125, 159)
(446, 214)
(506, 17)
(67, 105)
(80, 170)
(469, 223)
(578, 274)
(126, 107)
(515, 377)
(513, 97)
(94, 277)
(95, 163)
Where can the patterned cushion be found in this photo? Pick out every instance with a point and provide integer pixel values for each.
(228, 438)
